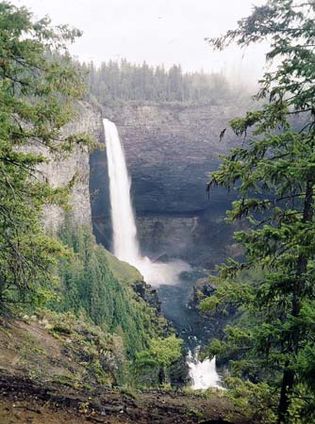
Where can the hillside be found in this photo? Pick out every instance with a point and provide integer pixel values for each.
(45, 378)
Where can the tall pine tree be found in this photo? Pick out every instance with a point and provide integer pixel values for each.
(274, 173)
(37, 86)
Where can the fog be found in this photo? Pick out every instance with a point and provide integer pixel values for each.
(158, 32)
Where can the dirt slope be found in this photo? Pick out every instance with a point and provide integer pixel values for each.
(40, 384)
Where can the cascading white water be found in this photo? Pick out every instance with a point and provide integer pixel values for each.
(125, 240)
(202, 373)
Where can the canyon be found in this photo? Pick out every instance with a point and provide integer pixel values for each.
(170, 150)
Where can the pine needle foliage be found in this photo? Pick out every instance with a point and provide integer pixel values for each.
(38, 84)
(87, 284)
(274, 174)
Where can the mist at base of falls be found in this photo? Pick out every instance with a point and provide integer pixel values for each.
(126, 245)
(158, 273)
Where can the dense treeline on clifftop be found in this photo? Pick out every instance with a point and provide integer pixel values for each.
(124, 81)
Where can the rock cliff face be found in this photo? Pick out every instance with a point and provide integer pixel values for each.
(170, 149)
(60, 171)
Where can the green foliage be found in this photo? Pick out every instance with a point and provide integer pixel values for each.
(37, 86)
(160, 355)
(302, 406)
(88, 284)
(256, 401)
(166, 351)
(274, 173)
(90, 290)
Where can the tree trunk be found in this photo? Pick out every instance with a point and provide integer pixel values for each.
(161, 375)
(286, 388)
(288, 378)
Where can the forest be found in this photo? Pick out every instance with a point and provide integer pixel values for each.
(124, 81)
(80, 320)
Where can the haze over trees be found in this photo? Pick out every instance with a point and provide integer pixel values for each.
(273, 343)
(124, 81)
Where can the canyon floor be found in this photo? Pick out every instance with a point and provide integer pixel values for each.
(34, 390)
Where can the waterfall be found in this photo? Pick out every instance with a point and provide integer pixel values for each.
(126, 245)
(125, 240)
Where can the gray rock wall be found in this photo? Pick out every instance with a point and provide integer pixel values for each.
(60, 171)
(170, 149)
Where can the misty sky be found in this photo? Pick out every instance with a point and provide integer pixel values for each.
(157, 31)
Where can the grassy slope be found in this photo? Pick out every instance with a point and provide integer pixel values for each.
(122, 270)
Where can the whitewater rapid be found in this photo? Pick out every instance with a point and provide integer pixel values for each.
(203, 374)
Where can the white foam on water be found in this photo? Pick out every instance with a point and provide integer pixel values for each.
(203, 374)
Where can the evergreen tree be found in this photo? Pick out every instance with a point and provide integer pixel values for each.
(162, 353)
(274, 173)
(88, 285)
(37, 86)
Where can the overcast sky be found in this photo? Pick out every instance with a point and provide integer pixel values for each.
(157, 31)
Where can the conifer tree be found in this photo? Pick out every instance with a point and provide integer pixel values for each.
(274, 174)
(38, 83)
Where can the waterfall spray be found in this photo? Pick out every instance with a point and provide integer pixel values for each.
(203, 373)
